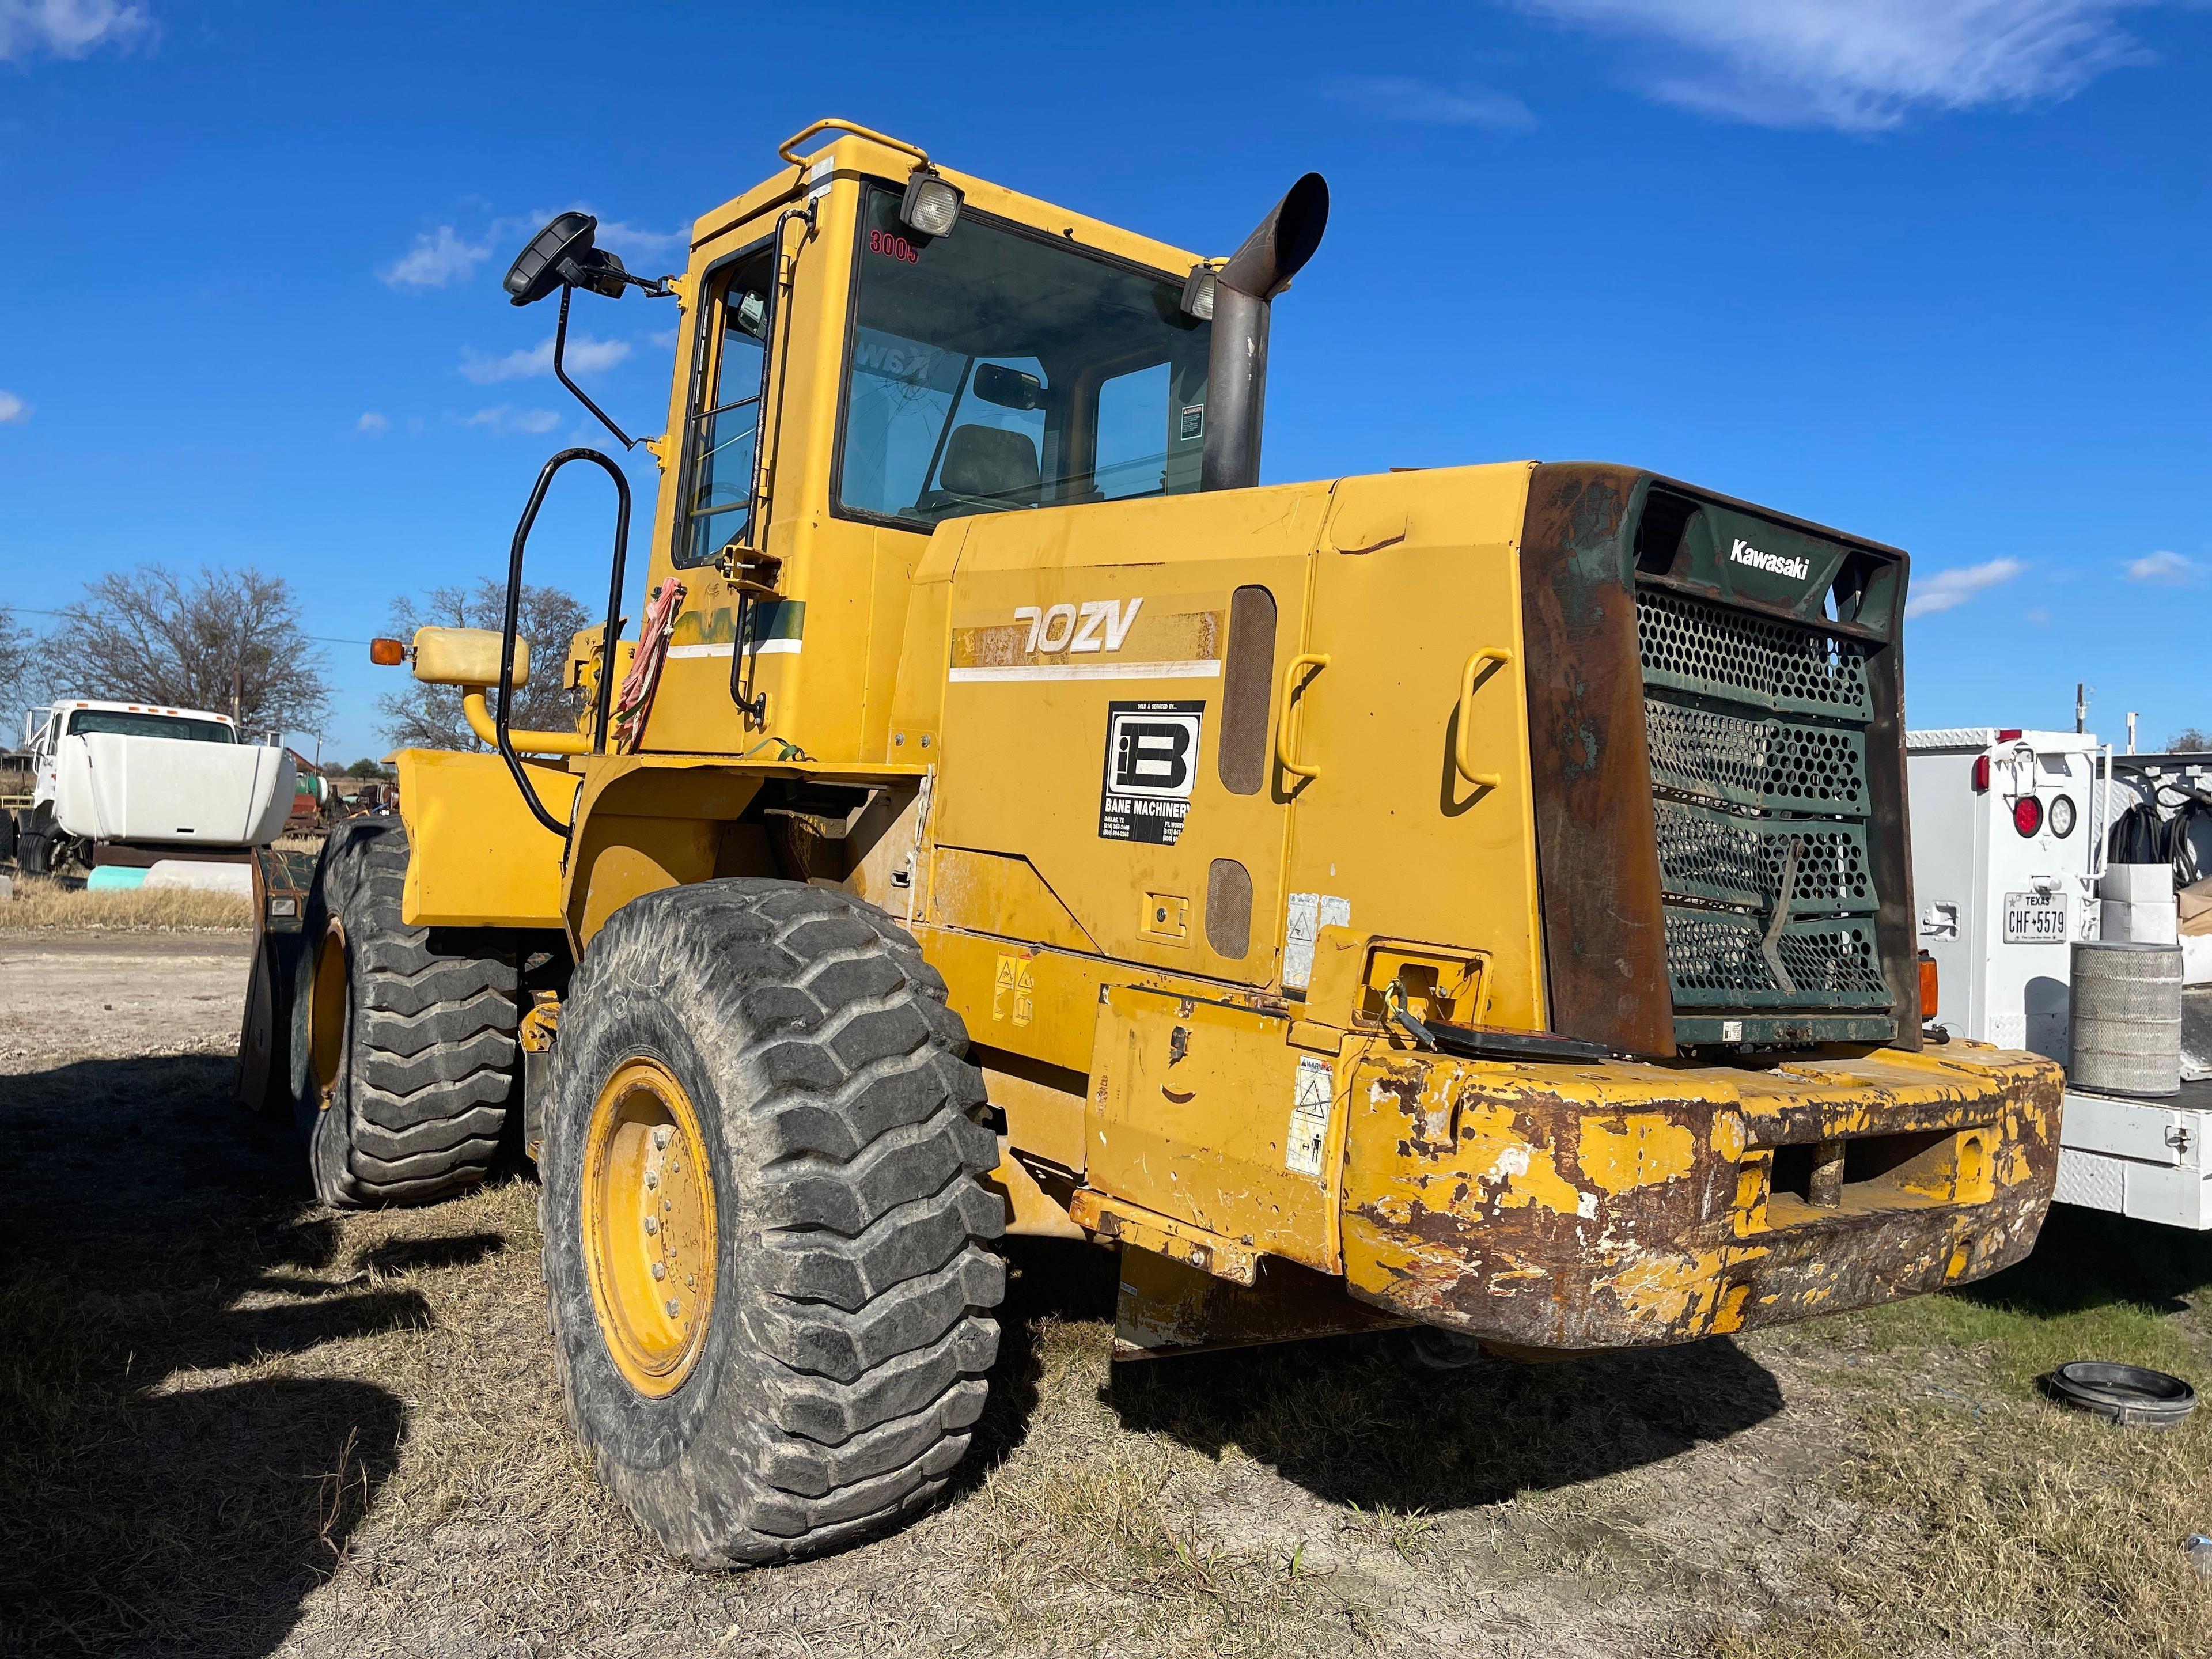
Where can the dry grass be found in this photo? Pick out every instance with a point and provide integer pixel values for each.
(44, 906)
(1996, 1523)
(238, 1423)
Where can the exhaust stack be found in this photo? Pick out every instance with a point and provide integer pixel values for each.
(1236, 363)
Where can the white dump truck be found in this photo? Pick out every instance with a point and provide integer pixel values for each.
(133, 783)
(2024, 843)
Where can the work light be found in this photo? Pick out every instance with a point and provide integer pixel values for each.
(1198, 294)
(932, 207)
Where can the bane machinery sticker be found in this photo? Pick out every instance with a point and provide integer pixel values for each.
(1151, 760)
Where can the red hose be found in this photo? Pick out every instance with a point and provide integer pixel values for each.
(634, 702)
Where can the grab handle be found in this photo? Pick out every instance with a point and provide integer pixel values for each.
(510, 624)
(1287, 726)
(1463, 747)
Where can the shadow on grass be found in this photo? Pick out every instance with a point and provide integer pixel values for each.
(1346, 1419)
(2086, 1259)
(1047, 1278)
(407, 1256)
(147, 1505)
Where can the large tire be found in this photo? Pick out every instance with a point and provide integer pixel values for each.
(834, 1374)
(403, 1068)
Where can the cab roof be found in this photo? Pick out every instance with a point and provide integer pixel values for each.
(853, 151)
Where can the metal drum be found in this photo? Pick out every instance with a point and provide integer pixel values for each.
(2126, 1037)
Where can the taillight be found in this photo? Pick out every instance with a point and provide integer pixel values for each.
(1928, 987)
(1981, 774)
(2009, 734)
(2027, 815)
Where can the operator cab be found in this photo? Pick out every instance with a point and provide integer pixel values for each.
(874, 347)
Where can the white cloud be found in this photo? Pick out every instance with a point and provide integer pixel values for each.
(1947, 589)
(1402, 98)
(1864, 65)
(507, 420)
(2165, 570)
(438, 259)
(584, 355)
(636, 245)
(13, 411)
(68, 28)
(372, 425)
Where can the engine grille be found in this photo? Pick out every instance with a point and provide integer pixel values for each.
(1757, 729)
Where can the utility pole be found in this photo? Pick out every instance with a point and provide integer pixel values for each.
(2080, 707)
(237, 689)
(2131, 731)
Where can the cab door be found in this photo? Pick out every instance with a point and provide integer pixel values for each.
(1406, 750)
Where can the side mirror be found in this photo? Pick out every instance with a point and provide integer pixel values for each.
(1009, 388)
(564, 254)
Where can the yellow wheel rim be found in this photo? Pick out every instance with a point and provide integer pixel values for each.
(648, 1226)
(327, 1015)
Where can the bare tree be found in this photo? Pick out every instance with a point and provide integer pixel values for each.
(429, 716)
(225, 640)
(19, 658)
(2189, 740)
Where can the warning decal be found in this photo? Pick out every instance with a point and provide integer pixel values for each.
(1151, 761)
(1309, 1102)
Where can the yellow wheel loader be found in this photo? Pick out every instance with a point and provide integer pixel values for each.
(1472, 899)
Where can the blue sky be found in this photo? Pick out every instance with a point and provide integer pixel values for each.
(1933, 271)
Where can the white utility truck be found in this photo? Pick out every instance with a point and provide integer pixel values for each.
(2014, 837)
(133, 783)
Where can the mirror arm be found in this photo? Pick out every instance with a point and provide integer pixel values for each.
(560, 345)
(656, 287)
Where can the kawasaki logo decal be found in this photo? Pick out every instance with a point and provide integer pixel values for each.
(1744, 553)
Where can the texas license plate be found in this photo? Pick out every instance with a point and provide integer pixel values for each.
(2035, 918)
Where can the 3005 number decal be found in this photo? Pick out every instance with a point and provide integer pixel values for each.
(897, 248)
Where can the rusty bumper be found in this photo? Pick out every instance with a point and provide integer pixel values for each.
(1623, 1204)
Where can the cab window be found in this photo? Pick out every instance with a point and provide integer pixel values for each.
(725, 435)
(991, 370)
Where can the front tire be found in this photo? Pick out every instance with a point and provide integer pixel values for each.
(768, 1247)
(34, 851)
(402, 1049)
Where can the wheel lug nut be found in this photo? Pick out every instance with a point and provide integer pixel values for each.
(652, 1224)
(660, 1271)
(651, 1179)
(672, 1307)
(660, 1137)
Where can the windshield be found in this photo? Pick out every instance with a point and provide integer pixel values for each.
(86, 722)
(991, 370)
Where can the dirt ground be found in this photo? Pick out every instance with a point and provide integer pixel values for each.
(233, 1422)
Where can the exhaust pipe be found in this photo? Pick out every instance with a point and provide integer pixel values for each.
(1236, 362)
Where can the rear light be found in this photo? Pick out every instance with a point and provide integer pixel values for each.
(1928, 987)
(1981, 774)
(2027, 815)
(2008, 734)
